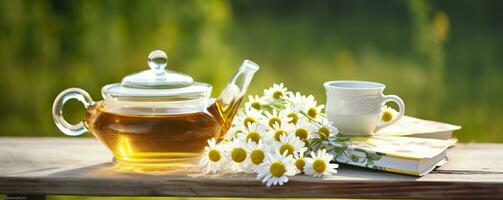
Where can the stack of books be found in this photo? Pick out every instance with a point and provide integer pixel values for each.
(410, 146)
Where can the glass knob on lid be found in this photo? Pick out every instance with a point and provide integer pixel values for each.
(157, 60)
(157, 76)
(157, 84)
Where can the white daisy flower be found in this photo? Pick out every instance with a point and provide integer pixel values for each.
(324, 129)
(311, 107)
(290, 144)
(293, 113)
(275, 169)
(256, 102)
(388, 114)
(295, 99)
(279, 129)
(274, 117)
(237, 154)
(303, 129)
(255, 132)
(248, 115)
(257, 152)
(232, 133)
(213, 158)
(319, 164)
(276, 92)
(299, 161)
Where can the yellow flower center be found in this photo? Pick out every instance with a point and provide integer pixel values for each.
(319, 166)
(214, 155)
(254, 136)
(312, 112)
(387, 116)
(277, 94)
(277, 169)
(278, 134)
(249, 119)
(301, 133)
(273, 121)
(294, 117)
(256, 105)
(299, 163)
(257, 157)
(323, 132)
(238, 155)
(286, 147)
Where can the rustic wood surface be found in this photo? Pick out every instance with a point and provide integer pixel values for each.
(82, 166)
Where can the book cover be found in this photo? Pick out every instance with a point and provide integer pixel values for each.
(406, 155)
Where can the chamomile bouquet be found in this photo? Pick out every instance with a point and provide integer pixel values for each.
(276, 135)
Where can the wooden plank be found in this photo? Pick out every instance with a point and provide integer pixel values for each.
(82, 166)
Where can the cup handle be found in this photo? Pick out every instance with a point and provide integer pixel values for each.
(57, 110)
(401, 107)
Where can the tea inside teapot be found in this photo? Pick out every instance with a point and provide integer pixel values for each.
(170, 140)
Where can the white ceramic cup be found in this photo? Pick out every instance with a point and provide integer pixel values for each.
(355, 106)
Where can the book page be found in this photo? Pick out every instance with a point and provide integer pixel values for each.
(409, 126)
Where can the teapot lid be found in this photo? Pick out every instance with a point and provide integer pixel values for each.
(157, 84)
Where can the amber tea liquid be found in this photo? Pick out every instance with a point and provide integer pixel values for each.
(155, 141)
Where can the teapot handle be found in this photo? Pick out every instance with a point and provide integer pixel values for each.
(57, 110)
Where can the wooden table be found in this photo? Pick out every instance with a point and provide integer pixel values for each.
(35, 167)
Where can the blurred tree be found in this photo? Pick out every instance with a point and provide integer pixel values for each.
(47, 46)
(429, 38)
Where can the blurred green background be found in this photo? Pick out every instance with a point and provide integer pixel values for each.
(444, 58)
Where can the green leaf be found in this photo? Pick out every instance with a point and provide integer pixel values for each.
(370, 164)
(354, 158)
(373, 157)
(341, 139)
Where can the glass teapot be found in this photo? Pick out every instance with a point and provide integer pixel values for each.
(157, 119)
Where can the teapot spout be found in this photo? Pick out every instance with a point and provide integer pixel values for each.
(239, 83)
(230, 98)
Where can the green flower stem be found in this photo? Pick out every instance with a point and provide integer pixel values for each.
(305, 114)
(310, 118)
